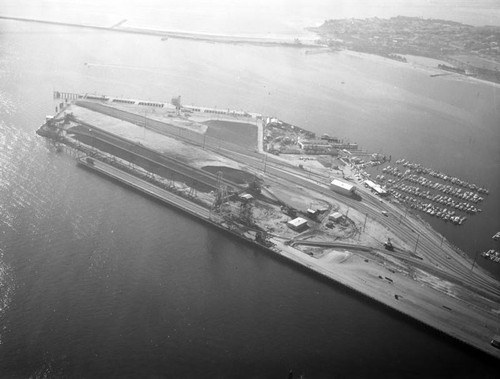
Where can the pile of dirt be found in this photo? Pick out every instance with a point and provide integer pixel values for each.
(238, 133)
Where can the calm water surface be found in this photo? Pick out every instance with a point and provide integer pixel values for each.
(97, 281)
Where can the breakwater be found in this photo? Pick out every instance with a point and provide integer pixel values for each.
(165, 34)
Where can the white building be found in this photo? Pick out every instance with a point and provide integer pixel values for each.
(342, 187)
(298, 224)
(375, 187)
(336, 217)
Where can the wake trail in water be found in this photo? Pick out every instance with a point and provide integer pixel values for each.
(124, 67)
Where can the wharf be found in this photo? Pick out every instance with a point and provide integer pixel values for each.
(438, 290)
(151, 190)
(459, 320)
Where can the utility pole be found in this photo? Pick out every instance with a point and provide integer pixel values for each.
(401, 218)
(416, 244)
(474, 262)
(475, 257)
(364, 225)
(265, 163)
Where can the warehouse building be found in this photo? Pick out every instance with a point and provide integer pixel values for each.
(315, 146)
(342, 187)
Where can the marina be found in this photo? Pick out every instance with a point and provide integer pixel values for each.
(434, 193)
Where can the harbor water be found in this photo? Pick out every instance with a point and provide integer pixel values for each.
(98, 281)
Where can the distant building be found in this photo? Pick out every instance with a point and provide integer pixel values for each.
(342, 187)
(326, 137)
(315, 146)
(312, 213)
(346, 146)
(298, 224)
(272, 121)
(246, 197)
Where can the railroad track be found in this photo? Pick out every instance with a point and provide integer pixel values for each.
(152, 156)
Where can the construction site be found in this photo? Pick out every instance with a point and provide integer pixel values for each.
(231, 170)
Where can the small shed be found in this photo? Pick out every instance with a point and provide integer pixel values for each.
(298, 224)
(336, 217)
(312, 212)
(246, 197)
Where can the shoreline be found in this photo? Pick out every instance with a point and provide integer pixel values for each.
(264, 42)
(414, 64)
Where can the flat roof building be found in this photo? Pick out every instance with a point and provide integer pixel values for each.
(335, 216)
(315, 146)
(342, 187)
(375, 187)
(298, 224)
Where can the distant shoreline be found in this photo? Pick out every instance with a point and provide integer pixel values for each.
(255, 41)
(418, 65)
(464, 49)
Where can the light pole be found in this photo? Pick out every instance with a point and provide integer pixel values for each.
(474, 262)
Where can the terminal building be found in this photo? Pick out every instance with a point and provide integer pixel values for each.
(342, 187)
